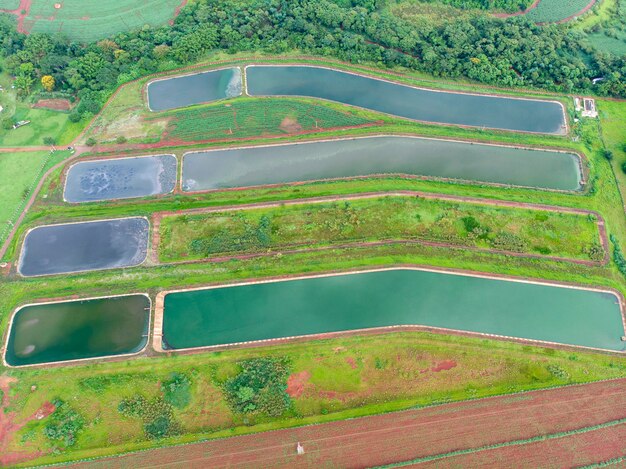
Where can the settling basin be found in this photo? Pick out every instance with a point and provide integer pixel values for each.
(75, 330)
(186, 90)
(277, 164)
(442, 107)
(233, 314)
(120, 178)
(77, 247)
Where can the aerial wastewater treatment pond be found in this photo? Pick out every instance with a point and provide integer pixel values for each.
(78, 247)
(442, 107)
(75, 330)
(278, 164)
(186, 90)
(305, 306)
(120, 178)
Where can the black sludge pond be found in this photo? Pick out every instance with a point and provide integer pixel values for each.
(75, 330)
(186, 90)
(442, 107)
(77, 247)
(120, 178)
(279, 164)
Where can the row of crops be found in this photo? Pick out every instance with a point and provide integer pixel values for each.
(90, 20)
(9, 4)
(551, 11)
(251, 118)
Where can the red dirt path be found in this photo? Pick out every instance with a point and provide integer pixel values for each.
(404, 436)
(24, 6)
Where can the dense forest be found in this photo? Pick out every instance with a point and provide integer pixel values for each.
(512, 52)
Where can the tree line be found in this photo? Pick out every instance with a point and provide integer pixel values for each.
(512, 52)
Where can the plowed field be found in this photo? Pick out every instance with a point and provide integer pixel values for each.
(586, 410)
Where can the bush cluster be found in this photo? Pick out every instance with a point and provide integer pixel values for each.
(260, 387)
(64, 424)
(156, 414)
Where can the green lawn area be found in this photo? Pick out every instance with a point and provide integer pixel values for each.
(90, 20)
(390, 218)
(44, 123)
(19, 173)
(344, 377)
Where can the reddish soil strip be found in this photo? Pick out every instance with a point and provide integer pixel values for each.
(297, 382)
(55, 104)
(404, 436)
(571, 451)
(157, 217)
(444, 366)
(519, 13)
(177, 11)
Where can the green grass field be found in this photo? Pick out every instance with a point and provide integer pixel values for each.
(20, 173)
(391, 218)
(551, 11)
(347, 377)
(90, 20)
(43, 123)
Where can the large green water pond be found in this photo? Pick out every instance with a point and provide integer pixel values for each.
(441, 107)
(75, 330)
(396, 297)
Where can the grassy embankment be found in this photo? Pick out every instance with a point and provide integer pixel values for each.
(196, 236)
(340, 378)
(127, 114)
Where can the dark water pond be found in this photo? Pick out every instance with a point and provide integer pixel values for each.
(441, 107)
(171, 93)
(120, 178)
(78, 329)
(276, 164)
(75, 247)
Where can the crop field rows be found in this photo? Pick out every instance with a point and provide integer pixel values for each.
(89, 20)
(9, 4)
(254, 118)
(553, 11)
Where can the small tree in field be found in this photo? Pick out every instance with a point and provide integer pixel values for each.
(47, 81)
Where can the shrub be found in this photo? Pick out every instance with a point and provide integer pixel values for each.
(470, 223)
(608, 154)
(121, 139)
(156, 414)
(260, 386)
(74, 117)
(49, 141)
(624, 167)
(7, 124)
(618, 257)
(91, 142)
(64, 424)
(177, 390)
